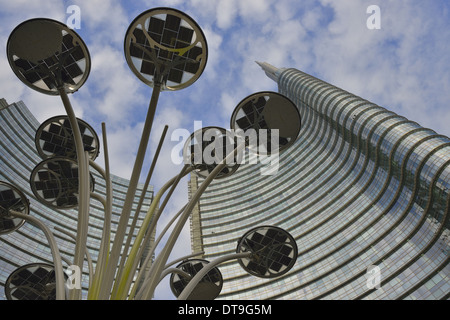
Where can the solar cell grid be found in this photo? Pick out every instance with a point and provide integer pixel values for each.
(274, 251)
(163, 56)
(34, 281)
(213, 278)
(55, 182)
(197, 149)
(11, 200)
(68, 66)
(272, 112)
(172, 22)
(66, 62)
(55, 138)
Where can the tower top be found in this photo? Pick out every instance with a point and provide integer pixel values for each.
(271, 71)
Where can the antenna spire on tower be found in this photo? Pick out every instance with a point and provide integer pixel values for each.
(271, 71)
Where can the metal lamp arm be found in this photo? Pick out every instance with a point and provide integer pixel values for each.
(122, 287)
(83, 194)
(59, 274)
(88, 256)
(199, 276)
(162, 258)
(106, 236)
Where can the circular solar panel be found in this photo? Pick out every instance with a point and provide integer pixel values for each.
(35, 281)
(263, 112)
(11, 198)
(45, 54)
(54, 138)
(54, 182)
(167, 43)
(206, 148)
(209, 286)
(274, 251)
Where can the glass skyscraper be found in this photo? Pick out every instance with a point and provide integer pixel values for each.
(18, 157)
(364, 192)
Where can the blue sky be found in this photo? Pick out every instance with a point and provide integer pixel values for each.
(404, 66)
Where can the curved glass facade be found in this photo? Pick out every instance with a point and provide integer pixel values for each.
(362, 187)
(18, 157)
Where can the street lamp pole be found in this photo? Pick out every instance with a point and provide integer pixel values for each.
(59, 273)
(161, 260)
(108, 278)
(106, 235)
(163, 59)
(83, 188)
(199, 276)
(136, 215)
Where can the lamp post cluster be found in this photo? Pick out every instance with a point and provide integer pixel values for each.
(166, 50)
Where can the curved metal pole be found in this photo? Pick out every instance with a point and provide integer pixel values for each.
(88, 256)
(199, 276)
(171, 263)
(83, 187)
(138, 209)
(59, 274)
(147, 259)
(184, 171)
(113, 260)
(67, 261)
(161, 260)
(106, 237)
(150, 219)
(140, 293)
(174, 270)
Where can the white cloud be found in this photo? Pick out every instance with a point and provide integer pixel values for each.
(107, 18)
(312, 18)
(214, 41)
(12, 87)
(226, 12)
(400, 67)
(14, 12)
(122, 147)
(112, 89)
(228, 102)
(256, 10)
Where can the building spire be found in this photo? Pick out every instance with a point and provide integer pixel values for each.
(271, 71)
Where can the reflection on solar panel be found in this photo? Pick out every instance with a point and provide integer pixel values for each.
(55, 138)
(69, 65)
(268, 111)
(206, 148)
(207, 289)
(274, 251)
(34, 281)
(168, 43)
(11, 199)
(55, 182)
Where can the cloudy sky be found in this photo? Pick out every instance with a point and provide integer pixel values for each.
(403, 66)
